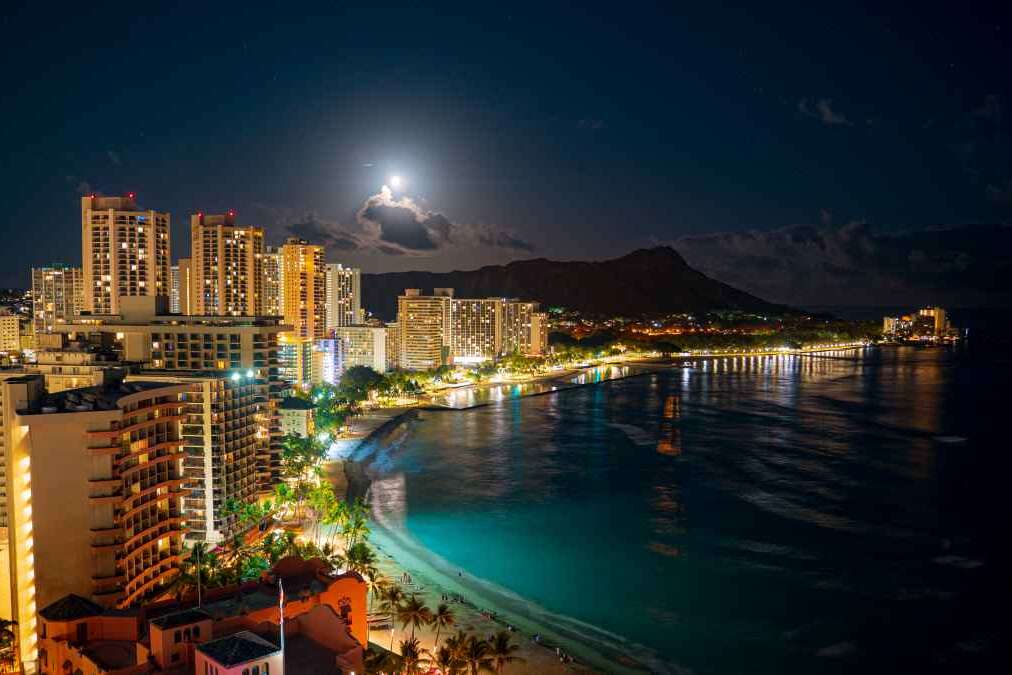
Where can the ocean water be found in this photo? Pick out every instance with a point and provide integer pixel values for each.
(828, 513)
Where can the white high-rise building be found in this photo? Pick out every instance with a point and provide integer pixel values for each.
(364, 346)
(344, 296)
(424, 322)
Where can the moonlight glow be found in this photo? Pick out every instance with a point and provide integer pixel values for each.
(396, 182)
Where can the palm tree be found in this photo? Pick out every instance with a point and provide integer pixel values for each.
(476, 655)
(414, 613)
(445, 660)
(359, 558)
(391, 604)
(443, 618)
(503, 650)
(356, 523)
(411, 655)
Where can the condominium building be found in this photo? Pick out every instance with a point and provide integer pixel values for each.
(475, 330)
(344, 296)
(198, 343)
(328, 361)
(438, 329)
(304, 291)
(295, 361)
(227, 266)
(219, 433)
(124, 251)
(393, 346)
(517, 318)
(539, 334)
(424, 322)
(272, 283)
(57, 295)
(95, 487)
(364, 346)
(10, 333)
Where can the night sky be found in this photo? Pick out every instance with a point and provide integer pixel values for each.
(746, 138)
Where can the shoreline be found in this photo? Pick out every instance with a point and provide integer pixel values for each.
(481, 607)
(399, 554)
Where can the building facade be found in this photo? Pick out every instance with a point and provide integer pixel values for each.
(124, 250)
(364, 346)
(95, 488)
(219, 432)
(57, 295)
(295, 361)
(475, 330)
(272, 284)
(304, 288)
(297, 416)
(393, 345)
(10, 333)
(226, 263)
(424, 322)
(328, 361)
(200, 343)
(74, 368)
(344, 296)
(185, 292)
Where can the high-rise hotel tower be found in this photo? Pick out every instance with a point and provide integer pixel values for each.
(226, 263)
(344, 296)
(124, 251)
(303, 294)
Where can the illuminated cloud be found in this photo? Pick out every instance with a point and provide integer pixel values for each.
(402, 224)
(394, 226)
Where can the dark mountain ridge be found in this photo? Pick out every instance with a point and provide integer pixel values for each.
(647, 281)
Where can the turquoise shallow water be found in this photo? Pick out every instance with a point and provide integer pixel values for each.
(748, 515)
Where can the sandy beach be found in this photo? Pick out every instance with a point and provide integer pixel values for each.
(538, 658)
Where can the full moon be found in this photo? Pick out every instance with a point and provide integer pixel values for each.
(395, 182)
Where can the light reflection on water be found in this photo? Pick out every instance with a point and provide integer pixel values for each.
(472, 396)
(760, 514)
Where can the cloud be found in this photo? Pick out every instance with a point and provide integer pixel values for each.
(114, 157)
(393, 226)
(401, 223)
(823, 111)
(854, 264)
